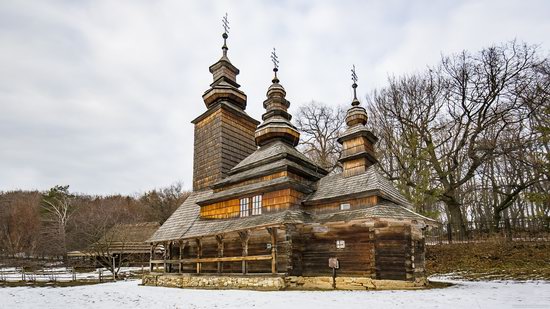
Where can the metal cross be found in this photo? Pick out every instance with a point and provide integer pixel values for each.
(353, 75)
(275, 59)
(225, 24)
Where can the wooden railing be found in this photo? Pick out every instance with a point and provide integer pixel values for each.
(215, 259)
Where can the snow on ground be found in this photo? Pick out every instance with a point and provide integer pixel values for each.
(13, 274)
(128, 294)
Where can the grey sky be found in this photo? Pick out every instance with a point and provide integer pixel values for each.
(100, 94)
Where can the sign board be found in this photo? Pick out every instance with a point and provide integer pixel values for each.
(333, 263)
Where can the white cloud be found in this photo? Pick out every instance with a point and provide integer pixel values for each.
(99, 94)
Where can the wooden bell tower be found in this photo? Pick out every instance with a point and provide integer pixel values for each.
(224, 133)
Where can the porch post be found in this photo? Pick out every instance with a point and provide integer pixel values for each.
(165, 256)
(169, 255)
(245, 236)
(151, 257)
(273, 232)
(181, 247)
(219, 239)
(199, 254)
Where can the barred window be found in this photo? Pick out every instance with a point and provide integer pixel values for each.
(244, 207)
(257, 205)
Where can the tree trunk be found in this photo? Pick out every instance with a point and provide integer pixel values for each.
(455, 218)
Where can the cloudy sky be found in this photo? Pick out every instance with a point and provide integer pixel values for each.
(100, 94)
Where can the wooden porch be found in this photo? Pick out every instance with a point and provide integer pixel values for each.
(175, 257)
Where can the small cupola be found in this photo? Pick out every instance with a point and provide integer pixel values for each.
(225, 86)
(357, 141)
(276, 120)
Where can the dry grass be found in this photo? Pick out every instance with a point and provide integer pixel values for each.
(491, 260)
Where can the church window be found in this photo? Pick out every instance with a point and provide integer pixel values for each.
(244, 207)
(257, 205)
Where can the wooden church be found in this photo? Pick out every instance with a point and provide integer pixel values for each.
(261, 209)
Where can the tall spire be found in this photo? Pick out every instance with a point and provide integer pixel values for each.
(224, 86)
(275, 61)
(355, 102)
(225, 35)
(276, 125)
(356, 114)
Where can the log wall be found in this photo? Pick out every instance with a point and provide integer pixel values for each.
(377, 249)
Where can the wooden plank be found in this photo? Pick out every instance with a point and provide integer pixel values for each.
(216, 259)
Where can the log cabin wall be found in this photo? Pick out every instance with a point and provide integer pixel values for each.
(271, 202)
(394, 250)
(314, 244)
(222, 139)
(354, 203)
(419, 251)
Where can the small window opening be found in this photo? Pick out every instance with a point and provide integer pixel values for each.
(345, 206)
(340, 244)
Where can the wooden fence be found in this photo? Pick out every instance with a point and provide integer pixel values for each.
(532, 229)
(56, 274)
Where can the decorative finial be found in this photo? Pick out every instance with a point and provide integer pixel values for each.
(275, 60)
(354, 78)
(226, 28)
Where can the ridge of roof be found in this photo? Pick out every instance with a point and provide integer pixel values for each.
(272, 152)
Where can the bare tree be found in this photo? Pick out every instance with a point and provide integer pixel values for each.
(454, 118)
(320, 126)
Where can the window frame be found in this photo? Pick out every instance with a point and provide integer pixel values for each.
(340, 244)
(250, 206)
(256, 205)
(244, 207)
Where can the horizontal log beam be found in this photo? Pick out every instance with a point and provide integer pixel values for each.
(216, 259)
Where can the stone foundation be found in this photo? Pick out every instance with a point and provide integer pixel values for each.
(275, 283)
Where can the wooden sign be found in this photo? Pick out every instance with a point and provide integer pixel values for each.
(333, 263)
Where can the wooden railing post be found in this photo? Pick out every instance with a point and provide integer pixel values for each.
(169, 255)
(199, 254)
(273, 233)
(245, 237)
(151, 257)
(219, 239)
(165, 256)
(181, 247)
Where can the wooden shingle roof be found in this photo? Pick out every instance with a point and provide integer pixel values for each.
(335, 186)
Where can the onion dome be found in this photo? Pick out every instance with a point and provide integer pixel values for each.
(225, 86)
(276, 120)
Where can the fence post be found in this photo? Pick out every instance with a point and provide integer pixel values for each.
(508, 229)
(449, 233)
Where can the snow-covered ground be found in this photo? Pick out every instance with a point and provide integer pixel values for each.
(60, 274)
(128, 294)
